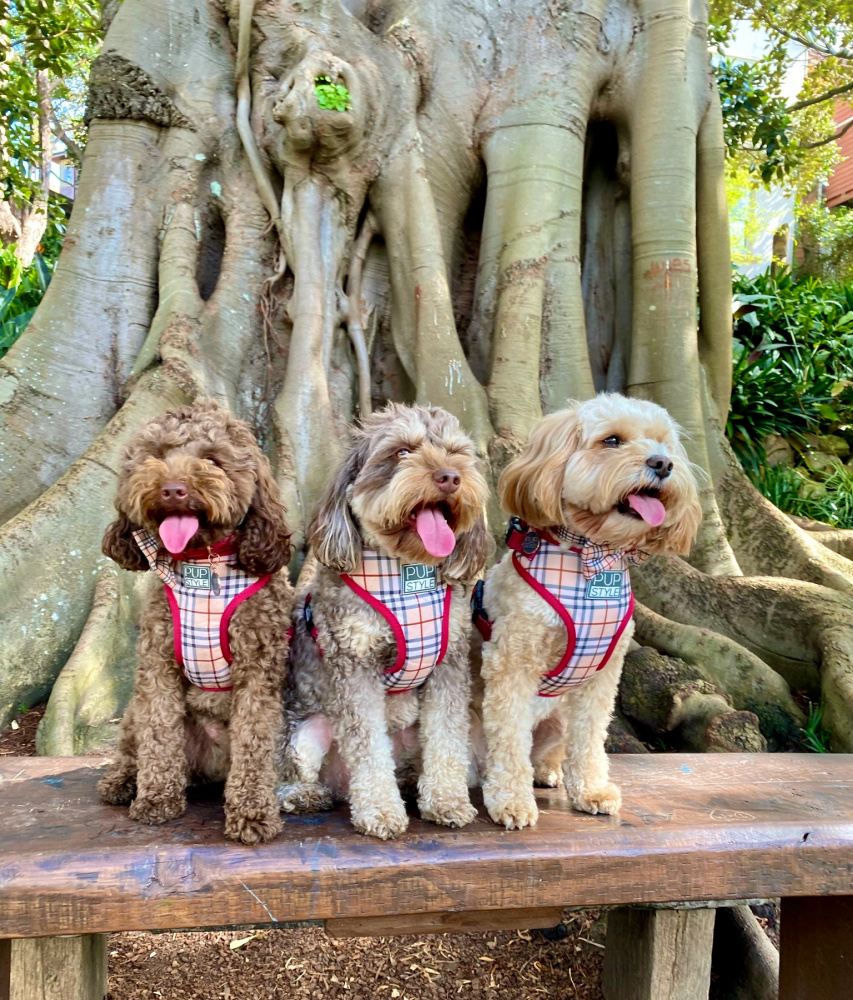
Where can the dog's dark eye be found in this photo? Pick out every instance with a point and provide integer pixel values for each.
(612, 442)
(212, 461)
(403, 452)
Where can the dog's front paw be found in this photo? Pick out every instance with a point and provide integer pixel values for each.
(512, 811)
(251, 828)
(117, 787)
(386, 823)
(304, 797)
(607, 799)
(156, 809)
(449, 812)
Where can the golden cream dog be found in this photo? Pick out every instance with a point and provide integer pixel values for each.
(596, 486)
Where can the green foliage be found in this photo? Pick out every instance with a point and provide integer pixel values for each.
(331, 96)
(773, 138)
(815, 737)
(793, 361)
(60, 37)
(755, 117)
(21, 295)
(826, 237)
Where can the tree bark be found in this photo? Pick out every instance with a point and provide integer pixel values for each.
(520, 204)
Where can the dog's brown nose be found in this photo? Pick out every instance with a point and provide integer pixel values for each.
(446, 480)
(660, 465)
(173, 493)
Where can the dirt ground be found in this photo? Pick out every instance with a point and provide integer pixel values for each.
(304, 963)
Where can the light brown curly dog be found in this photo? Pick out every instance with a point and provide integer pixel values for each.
(379, 669)
(594, 484)
(197, 504)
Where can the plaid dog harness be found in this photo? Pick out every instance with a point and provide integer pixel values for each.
(202, 595)
(416, 606)
(589, 588)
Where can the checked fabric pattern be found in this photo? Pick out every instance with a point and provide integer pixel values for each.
(200, 617)
(419, 621)
(598, 558)
(593, 626)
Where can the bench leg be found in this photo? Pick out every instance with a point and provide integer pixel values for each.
(816, 954)
(658, 954)
(73, 967)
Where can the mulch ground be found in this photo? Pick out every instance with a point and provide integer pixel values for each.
(304, 963)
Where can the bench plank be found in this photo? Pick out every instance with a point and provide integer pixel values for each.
(692, 827)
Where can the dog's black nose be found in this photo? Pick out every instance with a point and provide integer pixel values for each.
(173, 493)
(660, 465)
(446, 480)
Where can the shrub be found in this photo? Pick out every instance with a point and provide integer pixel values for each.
(793, 376)
(20, 294)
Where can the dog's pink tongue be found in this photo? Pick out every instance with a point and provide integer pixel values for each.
(176, 530)
(650, 509)
(435, 532)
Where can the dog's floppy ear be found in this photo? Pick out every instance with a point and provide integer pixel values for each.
(473, 550)
(531, 486)
(333, 533)
(120, 545)
(264, 545)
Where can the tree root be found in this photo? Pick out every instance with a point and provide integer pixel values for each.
(50, 555)
(746, 679)
(802, 630)
(94, 686)
(667, 695)
(744, 958)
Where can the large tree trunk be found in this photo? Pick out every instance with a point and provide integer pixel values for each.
(520, 205)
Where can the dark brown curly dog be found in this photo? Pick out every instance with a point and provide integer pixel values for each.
(197, 504)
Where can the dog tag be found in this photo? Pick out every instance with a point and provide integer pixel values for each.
(605, 586)
(416, 578)
(199, 577)
(530, 543)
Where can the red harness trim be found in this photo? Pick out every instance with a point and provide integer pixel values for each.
(226, 547)
(518, 531)
(230, 608)
(397, 628)
(566, 618)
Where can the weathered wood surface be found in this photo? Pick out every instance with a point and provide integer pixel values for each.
(658, 954)
(693, 826)
(58, 968)
(816, 954)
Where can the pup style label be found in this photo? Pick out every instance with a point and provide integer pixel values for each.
(197, 577)
(416, 578)
(605, 586)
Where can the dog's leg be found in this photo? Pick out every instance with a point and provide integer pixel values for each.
(251, 809)
(158, 722)
(443, 782)
(118, 783)
(549, 748)
(511, 679)
(586, 770)
(304, 747)
(361, 732)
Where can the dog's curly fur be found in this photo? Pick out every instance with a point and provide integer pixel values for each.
(576, 470)
(173, 732)
(342, 731)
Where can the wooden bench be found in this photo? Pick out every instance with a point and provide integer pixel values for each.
(692, 828)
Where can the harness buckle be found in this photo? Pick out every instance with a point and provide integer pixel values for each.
(479, 617)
